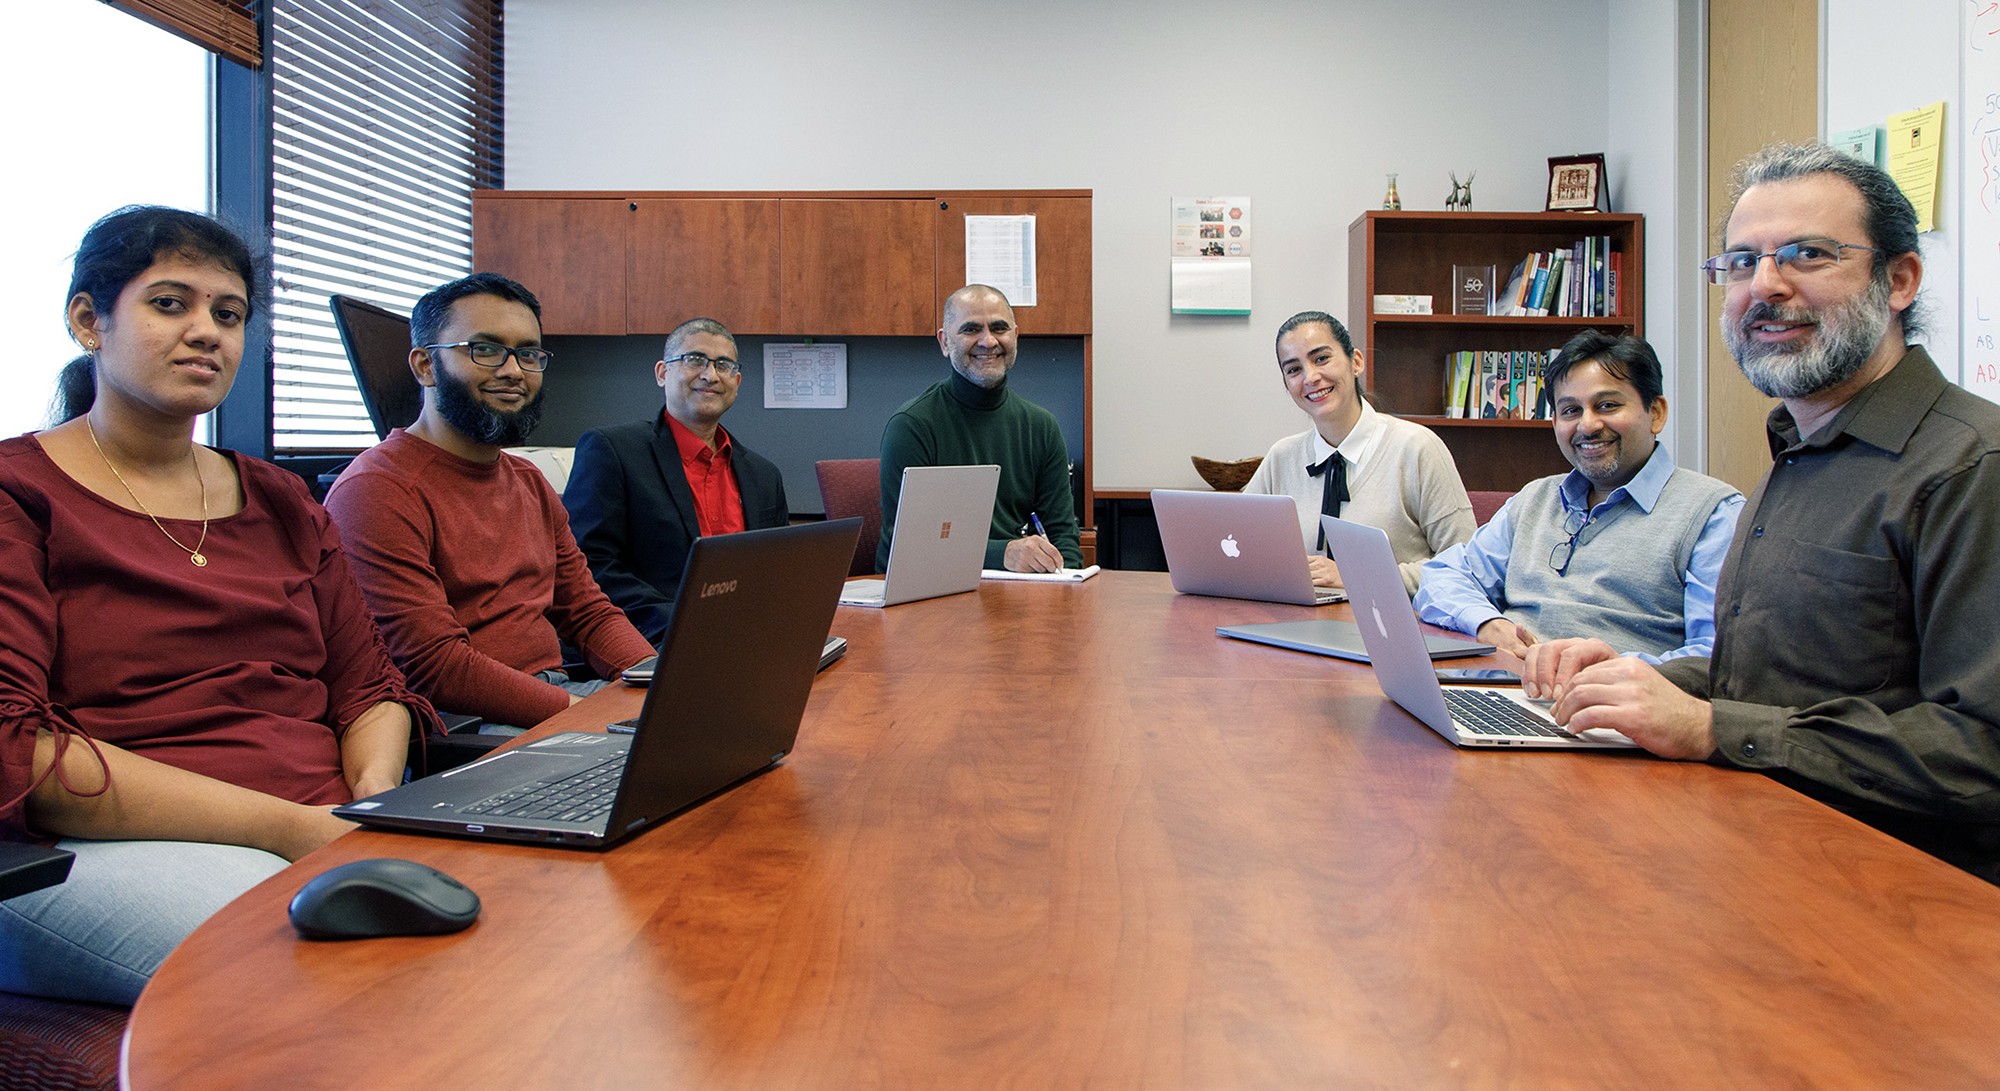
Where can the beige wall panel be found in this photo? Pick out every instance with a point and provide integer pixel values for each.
(1763, 85)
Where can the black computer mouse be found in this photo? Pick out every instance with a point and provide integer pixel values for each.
(382, 897)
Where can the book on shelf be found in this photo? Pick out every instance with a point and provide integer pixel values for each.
(1497, 385)
(1579, 280)
(1457, 383)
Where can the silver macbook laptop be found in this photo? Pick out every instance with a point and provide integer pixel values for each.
(1237, 545)
(1340, 639)
(757, 604)
(1464, 715)
(939, 542)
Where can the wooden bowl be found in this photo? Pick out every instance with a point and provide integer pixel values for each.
(1226, 476)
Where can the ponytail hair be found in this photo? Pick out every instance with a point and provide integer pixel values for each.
(76, 389)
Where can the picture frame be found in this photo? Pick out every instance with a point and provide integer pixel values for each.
(1577, 184)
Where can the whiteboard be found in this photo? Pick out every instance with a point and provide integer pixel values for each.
(1979, 216)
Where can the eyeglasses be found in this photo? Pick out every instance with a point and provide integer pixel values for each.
(694, 363)
(1810, 256)
(491, 354)
(1573, 525)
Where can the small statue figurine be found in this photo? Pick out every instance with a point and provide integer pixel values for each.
(1461, 193)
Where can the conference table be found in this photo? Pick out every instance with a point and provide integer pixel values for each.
(1050, 835)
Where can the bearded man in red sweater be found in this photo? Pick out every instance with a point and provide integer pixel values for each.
(464, 552)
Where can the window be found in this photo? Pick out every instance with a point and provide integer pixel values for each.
(385, 117)
(56, 106)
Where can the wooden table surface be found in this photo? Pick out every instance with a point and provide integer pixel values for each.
(1056, 836)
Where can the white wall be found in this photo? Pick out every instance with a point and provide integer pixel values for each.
(1301, 105)
(1653, 153)
(1884, 59)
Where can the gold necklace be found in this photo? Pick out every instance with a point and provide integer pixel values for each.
(193, 554)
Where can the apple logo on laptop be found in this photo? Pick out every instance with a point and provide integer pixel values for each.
(1229, 547)
(1379, 627)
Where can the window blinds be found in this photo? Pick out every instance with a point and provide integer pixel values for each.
(386, 116)
(228, 27)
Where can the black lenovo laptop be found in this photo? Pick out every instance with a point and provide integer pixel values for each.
(734, 673)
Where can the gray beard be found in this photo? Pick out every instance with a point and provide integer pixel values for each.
(480, 423)
(1846, 337)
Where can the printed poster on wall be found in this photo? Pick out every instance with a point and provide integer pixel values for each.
(802, 376)
(1210, 253)
(1211, 227)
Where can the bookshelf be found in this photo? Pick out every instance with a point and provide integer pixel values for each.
(1411, 253)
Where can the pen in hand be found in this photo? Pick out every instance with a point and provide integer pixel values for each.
(1037, 521)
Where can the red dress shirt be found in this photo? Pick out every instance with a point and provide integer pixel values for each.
(718, 503)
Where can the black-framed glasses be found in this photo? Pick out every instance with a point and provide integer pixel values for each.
(1809, 256)
(1573, 525)
(694, 363)
(494, 354)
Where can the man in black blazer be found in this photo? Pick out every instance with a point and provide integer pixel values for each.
(639, 494)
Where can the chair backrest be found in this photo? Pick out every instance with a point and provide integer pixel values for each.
(853, 486)
(554, 462)
(1484, 504)
(377, 341)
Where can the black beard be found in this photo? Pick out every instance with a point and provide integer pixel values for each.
(480, 423)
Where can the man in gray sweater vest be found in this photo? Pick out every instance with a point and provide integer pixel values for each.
(1625, 548)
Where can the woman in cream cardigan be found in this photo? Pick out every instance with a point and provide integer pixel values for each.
(1354, 462)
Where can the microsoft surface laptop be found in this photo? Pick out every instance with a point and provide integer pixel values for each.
(1237, 545)
(1471, 716)
(939, 542)
(734, 673)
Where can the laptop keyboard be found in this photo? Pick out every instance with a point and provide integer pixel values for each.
(582, 796)
(1484, 713)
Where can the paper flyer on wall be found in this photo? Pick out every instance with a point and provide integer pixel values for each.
(1000, 253)
(1916, 140)
(803, 376)
(1861, 143)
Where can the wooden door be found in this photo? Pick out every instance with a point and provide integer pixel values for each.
(569, 251)
(1763, 68)
(695, 257)
(859, 267)
(1062, 257)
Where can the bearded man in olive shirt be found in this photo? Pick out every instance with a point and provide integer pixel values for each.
(1853, 656)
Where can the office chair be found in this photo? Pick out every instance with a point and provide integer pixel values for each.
(853, 486)
(1484, 504)
(377, 341)
(52, 1044)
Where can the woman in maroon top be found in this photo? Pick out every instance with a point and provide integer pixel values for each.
(189, 678)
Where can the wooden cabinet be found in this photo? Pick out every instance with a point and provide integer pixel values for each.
(694, 257)
(1412, 253)
(1062, 257)
(569, 251)
(858, 266)
(790, 264)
